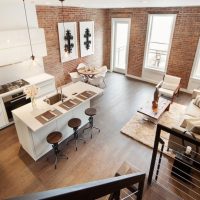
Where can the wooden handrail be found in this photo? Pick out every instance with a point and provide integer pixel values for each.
(91, 190)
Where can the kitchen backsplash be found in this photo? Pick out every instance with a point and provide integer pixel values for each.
(21, 70)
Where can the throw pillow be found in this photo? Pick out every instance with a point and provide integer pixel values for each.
(169, 86)
(197, 101)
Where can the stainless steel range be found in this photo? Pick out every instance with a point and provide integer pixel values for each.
(12, 86)
(16, 99)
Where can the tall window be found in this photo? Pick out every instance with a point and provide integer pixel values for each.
(160, 30)
(196, 66)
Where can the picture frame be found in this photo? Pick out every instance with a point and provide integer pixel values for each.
(68, 36)
(87, 38)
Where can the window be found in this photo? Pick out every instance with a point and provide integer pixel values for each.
(160, 30)
(196, 65)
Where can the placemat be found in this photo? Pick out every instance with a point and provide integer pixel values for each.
(49, 115)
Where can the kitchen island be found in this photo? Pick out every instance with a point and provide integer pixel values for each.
(34, 124)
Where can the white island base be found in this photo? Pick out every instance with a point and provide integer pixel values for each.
(32, 134)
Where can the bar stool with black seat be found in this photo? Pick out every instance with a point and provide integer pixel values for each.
(91, 112)
(54, 138)
(75, 124)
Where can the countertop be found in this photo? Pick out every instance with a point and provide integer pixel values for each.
(27, 114)
(32, 80)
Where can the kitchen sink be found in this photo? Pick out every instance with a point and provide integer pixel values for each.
(55, 98)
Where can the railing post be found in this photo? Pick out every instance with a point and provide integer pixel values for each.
(140, 189)
(154, 154)
(160, 158)
(115, 196)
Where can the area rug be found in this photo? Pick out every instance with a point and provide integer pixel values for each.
(144, 131)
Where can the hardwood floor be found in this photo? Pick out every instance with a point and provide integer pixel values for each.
(99, 158)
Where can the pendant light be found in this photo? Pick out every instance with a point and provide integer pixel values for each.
(32, 56)
(66, 51)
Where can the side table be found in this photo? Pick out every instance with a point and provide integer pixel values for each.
(182, 167)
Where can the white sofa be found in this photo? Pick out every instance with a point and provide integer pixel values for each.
(192, 113)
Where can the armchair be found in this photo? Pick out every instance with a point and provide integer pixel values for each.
(169, 86)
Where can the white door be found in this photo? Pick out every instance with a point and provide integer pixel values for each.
(120, 44)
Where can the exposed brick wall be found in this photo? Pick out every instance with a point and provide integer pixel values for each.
(184, 44)
(49, 17)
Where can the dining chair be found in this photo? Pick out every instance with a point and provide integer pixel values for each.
(81, 65)
(103, 72)
(96, 81)
(75, 77)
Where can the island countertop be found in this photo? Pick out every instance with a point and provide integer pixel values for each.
(28, 115)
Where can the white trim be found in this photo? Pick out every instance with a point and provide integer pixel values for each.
(114, 20)
(195, 63)
(148, 36)
(154, 82)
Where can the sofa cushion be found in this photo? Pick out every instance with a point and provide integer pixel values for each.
(172, 79)
(169, 86)
(193, 125)
(192, 110)
(197, 101)
(165, 92)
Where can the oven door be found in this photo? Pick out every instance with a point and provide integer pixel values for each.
(15, 103)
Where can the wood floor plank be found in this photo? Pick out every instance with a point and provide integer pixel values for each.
(97, 159)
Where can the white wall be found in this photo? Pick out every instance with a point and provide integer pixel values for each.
(12, 17)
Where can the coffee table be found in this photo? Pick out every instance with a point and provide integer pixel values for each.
(163, 105)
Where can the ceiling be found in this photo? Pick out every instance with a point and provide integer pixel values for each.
(120, 3)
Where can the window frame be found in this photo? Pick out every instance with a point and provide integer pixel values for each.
(147, 43)
(196, 61)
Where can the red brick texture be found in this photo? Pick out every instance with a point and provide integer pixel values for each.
(49, 17)
(184, 43)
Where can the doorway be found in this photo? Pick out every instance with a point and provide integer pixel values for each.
(120, 44)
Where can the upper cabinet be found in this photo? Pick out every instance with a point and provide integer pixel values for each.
(15, 45)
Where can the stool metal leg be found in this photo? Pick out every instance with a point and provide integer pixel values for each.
(76, 138)
(91, 125)
(56, 152)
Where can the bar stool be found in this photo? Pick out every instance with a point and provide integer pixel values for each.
(54, 138)
(91, 112)
(75, 124)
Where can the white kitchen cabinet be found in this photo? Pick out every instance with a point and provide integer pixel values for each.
(46, 87)
(45, 83)
(32, 134)
(15, 45)
(3, 116)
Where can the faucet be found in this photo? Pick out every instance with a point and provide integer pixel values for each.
(61, 92)
(47, 100)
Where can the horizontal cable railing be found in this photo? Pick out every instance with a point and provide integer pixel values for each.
(93, 190)
(180, 172)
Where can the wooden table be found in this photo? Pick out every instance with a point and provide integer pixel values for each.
(88, 73)
(163, 105)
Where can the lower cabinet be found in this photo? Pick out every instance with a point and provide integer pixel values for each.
(3, 120)
(35, 144)
(46, 87)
